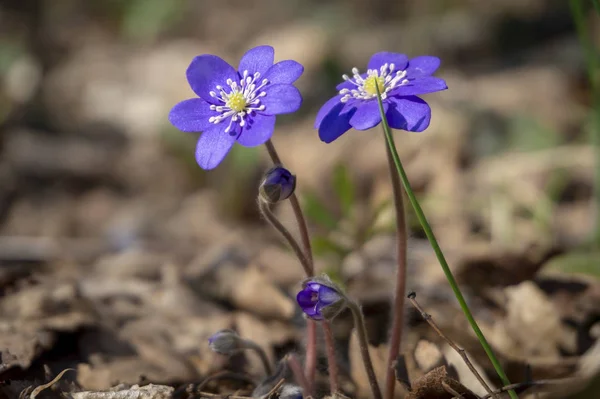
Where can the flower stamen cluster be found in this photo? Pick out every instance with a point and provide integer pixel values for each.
(384, 78)
(241, 100)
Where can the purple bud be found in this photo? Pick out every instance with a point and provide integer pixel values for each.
(320, 299)
(277, 185)
(225, 342)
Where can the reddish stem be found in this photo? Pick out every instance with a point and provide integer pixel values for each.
(399, 294)
(334, 385)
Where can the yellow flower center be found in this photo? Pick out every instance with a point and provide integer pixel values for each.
(370, 85)
(237, 102)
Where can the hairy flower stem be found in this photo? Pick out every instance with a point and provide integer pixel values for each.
(311, 325)
(261, 353)
(333, 369)
(438, 252)
(296, 367)
(267, 213)
(302, 226)
(310, 366)
(309, 269)
(361, 332)
(398, 309)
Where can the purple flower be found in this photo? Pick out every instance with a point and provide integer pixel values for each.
(320, 301)
(236, 105)
(277, 185)
(399, 80)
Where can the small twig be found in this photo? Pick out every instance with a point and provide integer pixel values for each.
(451, 391)
(268, 395)
(40, 388)
(219, 396)
(275, 388)
(427, 317)
(529, 384)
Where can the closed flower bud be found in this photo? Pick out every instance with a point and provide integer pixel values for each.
(225, 342)
(320, 299)
(277, 185)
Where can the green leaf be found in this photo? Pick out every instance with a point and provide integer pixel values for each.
(344, 188)
(529, 134)
(317, 212)
(324, 246)
(583, 263)
(146, 19)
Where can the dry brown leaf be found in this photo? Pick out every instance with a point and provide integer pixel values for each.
(428, 356)
(431, 386)
(532, 327)
(19, 347)
(465, 375)
(247, 288)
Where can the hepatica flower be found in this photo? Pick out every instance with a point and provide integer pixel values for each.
(236, 105)
(277, 185)
(319, 300)
(399, 80)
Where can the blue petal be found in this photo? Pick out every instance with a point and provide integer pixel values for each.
(305, 299)
(345, 85)
(422, 66)
(335, 122)
(213, 145)
(399, 60)
(281, 99)
(206, 72)
(427, 84)
(259, 59)
(408, 113)
(367, 115)
(314, 312)
(257, 131)
(326, 109)
(328, 296)
(314, 287)
(284, 72)
(191, 115)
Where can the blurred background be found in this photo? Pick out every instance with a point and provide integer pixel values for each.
(119, 256)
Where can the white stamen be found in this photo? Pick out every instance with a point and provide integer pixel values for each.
(250, 87)
(391, 80)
